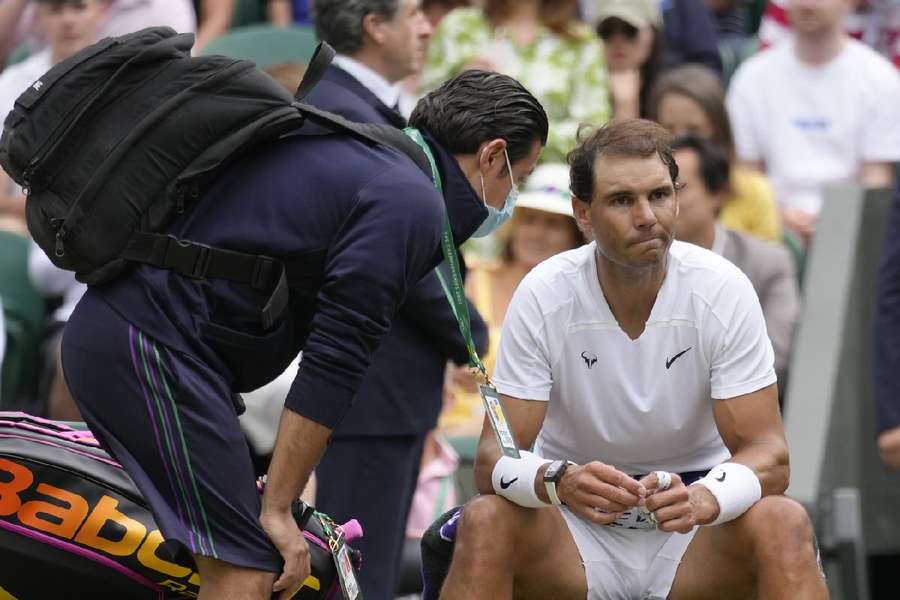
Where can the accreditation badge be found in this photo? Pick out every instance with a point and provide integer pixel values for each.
(494, 410)
(346, 574)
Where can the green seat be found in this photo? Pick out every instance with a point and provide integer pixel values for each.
(23, 312)
(266, 45)
(18, 54)
(248, 12)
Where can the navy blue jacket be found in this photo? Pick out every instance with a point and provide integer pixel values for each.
(690, 34)
(402, 392)
(887, 325)
(341, 93)
(365, 215)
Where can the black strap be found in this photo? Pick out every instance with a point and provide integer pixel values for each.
(200, 261)
(318, 64)
(374, 133)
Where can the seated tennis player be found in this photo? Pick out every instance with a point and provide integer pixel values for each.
(640, 369)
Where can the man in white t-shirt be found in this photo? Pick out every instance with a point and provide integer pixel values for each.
(817, 109)
(644, 363)
(69, 25)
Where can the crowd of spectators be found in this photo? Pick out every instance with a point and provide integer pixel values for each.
(816, 103)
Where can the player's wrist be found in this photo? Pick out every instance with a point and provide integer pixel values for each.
(736, 488)
(704, 504)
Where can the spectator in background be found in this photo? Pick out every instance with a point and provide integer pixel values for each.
(732, 22)
(704, 169)
(538, 42)
(632, 36)
(18, 23)
(51, 281)
(284, 13)
(371, 467)
(818, 109)
(690, 34)
(379, 43)
(542, 226)
(436, 10)
(69, 25)
(873, 22)
(213, 19)
(691, 100)
(887, 341)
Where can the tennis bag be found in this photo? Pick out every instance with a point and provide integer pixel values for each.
(73, 525)
(115, 142)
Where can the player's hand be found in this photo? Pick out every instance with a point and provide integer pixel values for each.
(889, 446)
(680, 508)
(288, 539)
(599, 492)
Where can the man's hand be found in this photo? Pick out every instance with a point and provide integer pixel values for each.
(799, 221)
(679, 508)
(288, 539)
(599, 492)
(889, 446)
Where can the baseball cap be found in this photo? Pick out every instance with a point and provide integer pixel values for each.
(637, 13)
(547, 189)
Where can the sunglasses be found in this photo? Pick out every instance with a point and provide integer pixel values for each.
(610, 27)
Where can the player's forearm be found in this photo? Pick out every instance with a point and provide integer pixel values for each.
(485, 459)
(298, 447)
(769, 459)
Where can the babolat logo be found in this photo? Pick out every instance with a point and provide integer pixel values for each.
(94, 520)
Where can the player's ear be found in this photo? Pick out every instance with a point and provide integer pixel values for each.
(582, 212)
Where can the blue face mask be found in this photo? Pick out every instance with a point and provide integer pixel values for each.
(495, 217)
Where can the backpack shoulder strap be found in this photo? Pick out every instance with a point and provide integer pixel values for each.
(318, 64)
(373, 133)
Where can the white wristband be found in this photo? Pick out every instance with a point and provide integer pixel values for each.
(735, 487)
(514, 479)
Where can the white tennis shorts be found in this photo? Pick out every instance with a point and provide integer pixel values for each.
(627, 564)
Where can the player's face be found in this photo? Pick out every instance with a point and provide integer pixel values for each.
(633, 211)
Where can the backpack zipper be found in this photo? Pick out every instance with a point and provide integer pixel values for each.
(61, 233)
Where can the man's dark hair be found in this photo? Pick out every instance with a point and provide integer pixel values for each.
(629, 137)
(478, 106)
(715, 170)
(340, 22)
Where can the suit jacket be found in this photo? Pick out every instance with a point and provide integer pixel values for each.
(771, 271)
(887, 325)
(339, 92)
(403, 389)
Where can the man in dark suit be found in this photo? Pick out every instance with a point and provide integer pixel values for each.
(887, 341)
(703, 168)
(370, 469)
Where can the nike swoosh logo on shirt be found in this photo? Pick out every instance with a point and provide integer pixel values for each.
(674, 358)
(722, 478)
(506, 484)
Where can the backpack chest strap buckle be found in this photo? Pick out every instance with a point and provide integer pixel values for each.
(188, 258)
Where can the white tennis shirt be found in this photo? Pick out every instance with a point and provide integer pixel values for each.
(642, 404)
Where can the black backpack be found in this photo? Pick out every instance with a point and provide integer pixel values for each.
(113, 143)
